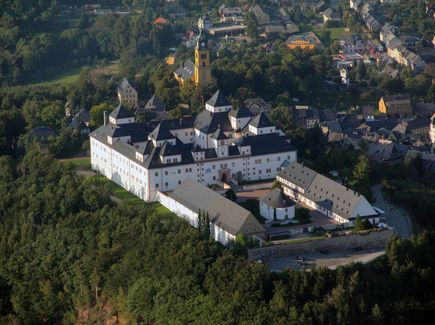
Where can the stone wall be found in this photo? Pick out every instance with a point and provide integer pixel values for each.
(371, 240)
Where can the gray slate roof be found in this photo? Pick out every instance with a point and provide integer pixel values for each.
(276, 199)
(261, 121)
(161, 132)
(186, 71)
(121, 112)
(125, 83)
(209, 122)
(323, 190)
(218, 100)
(222, 212)
(241, 112)
(155, 104)
(219, 135)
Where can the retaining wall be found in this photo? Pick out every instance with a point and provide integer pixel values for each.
(371, 240)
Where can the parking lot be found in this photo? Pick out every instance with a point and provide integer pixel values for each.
(330, 260)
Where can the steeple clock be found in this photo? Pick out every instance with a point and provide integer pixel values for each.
(202, 61)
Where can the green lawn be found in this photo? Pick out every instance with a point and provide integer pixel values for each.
(79, 162)
(65, 78)
(129, 198)
(336, 32)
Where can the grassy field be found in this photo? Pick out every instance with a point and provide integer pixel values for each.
(336, 32)
(78, 162)
(69, 77)
(129, 198)
(65, 78)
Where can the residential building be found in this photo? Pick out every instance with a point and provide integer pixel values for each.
(432, 129)
(69, 108)
(257, 105)
(390, 153)
(262, 17)
(154, 106)
(234, 14)
(350, 43)
(389, 1)
(368, 112)
(227, 219)
(307, 40)
(413, 128)
(127, 94)
(224, 30)
(391, 41)
(307, 118)
(284, 14)
(219, 145)
(396, 105)
(322, 194)
(424, 109)
(389, 71)
(373, 24)
(160, 21)
(275, 205)
(205, 23)
(354, 4)
(330, 16)
(406, 57)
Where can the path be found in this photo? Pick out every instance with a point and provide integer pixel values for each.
(395, 217)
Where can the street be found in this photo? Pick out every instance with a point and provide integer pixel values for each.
(395, 217)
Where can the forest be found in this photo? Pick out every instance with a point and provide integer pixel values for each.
(66, 250)
(68, 253)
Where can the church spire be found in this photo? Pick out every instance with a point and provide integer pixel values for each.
(202, 60)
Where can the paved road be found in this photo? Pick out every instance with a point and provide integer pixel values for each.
(331, 260)
(395, 216)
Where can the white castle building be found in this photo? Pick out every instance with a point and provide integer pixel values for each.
(219, 145)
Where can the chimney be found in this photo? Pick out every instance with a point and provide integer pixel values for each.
(105, 117)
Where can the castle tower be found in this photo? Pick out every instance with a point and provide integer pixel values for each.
(202, 61)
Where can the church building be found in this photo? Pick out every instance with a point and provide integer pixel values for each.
(200, 71)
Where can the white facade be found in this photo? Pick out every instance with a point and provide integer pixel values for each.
(145, 183)
(271, 214)
(325, 195)
(217, 233)
(145, 173)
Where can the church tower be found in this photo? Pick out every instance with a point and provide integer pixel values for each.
(202, 61)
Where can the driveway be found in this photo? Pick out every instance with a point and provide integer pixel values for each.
(395, 217)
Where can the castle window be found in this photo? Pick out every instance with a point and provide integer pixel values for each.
(203, 56)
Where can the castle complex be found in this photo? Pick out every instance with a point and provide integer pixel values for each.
(220, 145)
